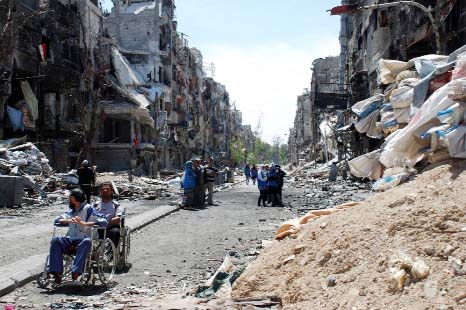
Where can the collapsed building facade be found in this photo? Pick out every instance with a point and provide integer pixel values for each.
(122, 89)
(372, 31)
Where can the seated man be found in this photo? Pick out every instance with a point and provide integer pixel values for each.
(80, 220)
(111, 210)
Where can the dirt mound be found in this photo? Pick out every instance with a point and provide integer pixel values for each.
(345, 260)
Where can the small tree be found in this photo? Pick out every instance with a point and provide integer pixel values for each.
(237, 150)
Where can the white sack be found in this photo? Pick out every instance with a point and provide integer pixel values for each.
(453, 115)
(368, 125)
(456, 142)
(366, 166)
(389, 69)
(402, 148)
(365, 107)
(402, 97)
(402, 115)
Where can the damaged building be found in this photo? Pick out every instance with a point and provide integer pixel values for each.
(45, 63)
(122, 89)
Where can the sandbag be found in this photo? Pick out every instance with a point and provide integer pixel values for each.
(402, 116)
(366, 107)
(389, 69)
(402, 97)
(368, 125)
(407, 74)
(456, 142)
(402, 148)
(426, 64)
(366, 166)
(453, 115)
(389, 182)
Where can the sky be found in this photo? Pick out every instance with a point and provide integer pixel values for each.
(262, 51)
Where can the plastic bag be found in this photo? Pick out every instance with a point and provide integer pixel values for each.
(402, 148)
(456, 142)
(453, 115)
(389, 182)
(366, 166)
(460, 68)
(389, 69)
(402, 116)
(402, 97)
(366, 107)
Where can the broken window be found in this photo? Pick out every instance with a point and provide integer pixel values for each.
(116, 131)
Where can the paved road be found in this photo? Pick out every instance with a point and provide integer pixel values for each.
(184, 247)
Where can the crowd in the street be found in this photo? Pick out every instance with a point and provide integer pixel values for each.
(270, 180)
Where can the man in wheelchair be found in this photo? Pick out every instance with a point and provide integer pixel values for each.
(111, 210)
(80, 220)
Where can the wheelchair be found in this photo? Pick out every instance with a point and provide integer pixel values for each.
(100, 264)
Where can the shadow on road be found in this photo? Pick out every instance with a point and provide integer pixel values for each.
(79, 290)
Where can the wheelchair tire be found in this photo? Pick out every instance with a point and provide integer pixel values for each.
(106, 261)
(126, 245)
(43, 277)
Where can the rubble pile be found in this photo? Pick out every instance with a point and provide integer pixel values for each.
(420, 114)
(140, 187)
(317, 192)
(402, 248)
(18, 158)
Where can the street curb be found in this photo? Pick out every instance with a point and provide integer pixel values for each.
(32, 266)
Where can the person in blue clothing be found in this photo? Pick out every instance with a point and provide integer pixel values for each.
(272, 182)
(253, 174)
(247, 173)
(189, 182)
(262, 185)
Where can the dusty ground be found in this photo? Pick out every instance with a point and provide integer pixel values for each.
(176, 253)
(351, 250)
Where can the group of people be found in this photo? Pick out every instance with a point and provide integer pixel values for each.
(80, 219)
(270, 181)
(198, 178)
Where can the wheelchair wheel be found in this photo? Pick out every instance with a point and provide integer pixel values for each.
(106, 261)
(43, 279)
(126, 246)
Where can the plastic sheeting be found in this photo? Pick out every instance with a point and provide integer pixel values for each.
(31, 99)
(16, 118)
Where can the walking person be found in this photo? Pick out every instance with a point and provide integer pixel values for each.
(247, 173)
(272, 182)
(199, 190)
(262, 185)
(211, 173)
(86, 177)
(281, 176)
(253, 174)
(189, 182)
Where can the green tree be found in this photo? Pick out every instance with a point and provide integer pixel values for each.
(237, 150)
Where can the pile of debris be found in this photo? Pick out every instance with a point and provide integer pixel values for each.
(401, 248)
(317, 192)
(141, 187)
(18, 157)
(421, 115)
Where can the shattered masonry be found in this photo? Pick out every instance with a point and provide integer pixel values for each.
(121, 88)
